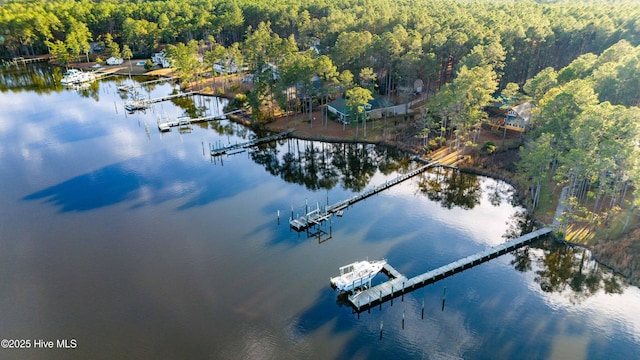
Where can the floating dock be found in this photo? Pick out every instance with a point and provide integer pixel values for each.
(398, 284)
(232, 148)
(317, 216)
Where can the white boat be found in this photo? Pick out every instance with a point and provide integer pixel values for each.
(357, 275)
(164, 123)
(134, 105)
(85, 77)
(74, 76)
(70, 77)
(137, 103)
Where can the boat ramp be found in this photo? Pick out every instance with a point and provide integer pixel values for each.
(319, 215)
(216, 151)
(398, 284)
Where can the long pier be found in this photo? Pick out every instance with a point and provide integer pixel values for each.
(130, 87)
(165, 124)
(225, 149)
(398, 284)
(317, 216)
(165, 98)
(140, 104)
(28, 60)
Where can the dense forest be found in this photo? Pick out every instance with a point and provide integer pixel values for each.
(426, 39)
(577, 61)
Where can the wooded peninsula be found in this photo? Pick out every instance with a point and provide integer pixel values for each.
(563, 76)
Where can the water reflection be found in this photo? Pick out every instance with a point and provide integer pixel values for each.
(572, 270)
(253, 283)
(453, 188)
(320, 165)
(41, 79)
(559, 267)
(126, 182)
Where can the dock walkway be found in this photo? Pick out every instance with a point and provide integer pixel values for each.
(140, 104)
(244, 145)
(398, 284)
(131, 87)
(165, 123)
(22, 60)
(317, 216)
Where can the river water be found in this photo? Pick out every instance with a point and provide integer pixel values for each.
(137, 244)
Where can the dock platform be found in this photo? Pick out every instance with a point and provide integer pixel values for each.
(398, 284)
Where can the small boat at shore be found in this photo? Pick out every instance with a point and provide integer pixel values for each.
(74, 76)
(71, 76)
(357, 275)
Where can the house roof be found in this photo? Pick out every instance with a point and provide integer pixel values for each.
(524, 111)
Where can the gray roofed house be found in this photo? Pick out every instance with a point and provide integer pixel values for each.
(377, 108)
(520, 116)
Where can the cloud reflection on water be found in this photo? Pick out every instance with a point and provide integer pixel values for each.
(122, 182)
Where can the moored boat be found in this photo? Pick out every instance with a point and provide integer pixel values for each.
(74, 76)
(71, 76)
(357, 275)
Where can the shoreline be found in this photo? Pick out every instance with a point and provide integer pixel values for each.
(401, 134)
(604, 252)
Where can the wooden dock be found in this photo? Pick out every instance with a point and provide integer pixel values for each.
(165, 123)
(238, 146)
(140, 104)
(28, 60)
(165, 98)
(398, 284)
(131, 87)
(319, 215)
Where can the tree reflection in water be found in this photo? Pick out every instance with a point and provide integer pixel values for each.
(38, 78)
(560, 267)
(452, 188)
(320, 165)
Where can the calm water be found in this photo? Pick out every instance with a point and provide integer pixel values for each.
(137, 244)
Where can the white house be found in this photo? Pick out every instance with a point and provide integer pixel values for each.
(159, 59)
(520, 116)
(114, 61)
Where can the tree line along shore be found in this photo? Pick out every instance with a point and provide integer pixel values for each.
(466, 68)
